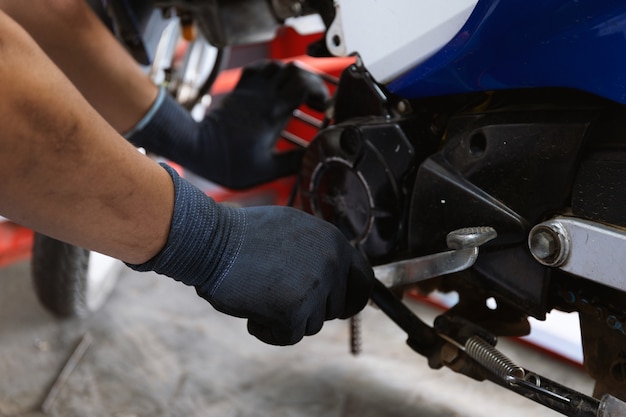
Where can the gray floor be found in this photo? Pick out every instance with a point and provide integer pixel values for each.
(159, 350)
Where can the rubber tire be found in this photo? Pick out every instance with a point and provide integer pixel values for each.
(59, 274)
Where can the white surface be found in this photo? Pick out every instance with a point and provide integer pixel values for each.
(102, 274)
(306, 25)
(392, 36)
(560, 333)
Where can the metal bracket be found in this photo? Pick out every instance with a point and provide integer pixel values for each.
(583, 248)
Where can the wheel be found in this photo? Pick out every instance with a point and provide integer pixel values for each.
(70, 281)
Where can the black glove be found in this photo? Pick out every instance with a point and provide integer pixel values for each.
(282, 269)
(234, 144)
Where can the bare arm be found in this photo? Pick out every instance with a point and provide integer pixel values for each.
(89, 55)
(65, 172)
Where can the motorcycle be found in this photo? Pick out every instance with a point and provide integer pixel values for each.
(476, 147)
(492, 124)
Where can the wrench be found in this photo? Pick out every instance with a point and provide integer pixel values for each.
(464, 245)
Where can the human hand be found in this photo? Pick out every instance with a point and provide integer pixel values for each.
(291, 272)
(234, 145)
(282, 269)
(245, 127)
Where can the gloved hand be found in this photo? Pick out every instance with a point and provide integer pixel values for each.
(234, 144)
(282, 269)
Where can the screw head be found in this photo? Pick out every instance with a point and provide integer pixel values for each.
(549, 244)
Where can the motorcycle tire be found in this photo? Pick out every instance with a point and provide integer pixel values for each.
(70, 281)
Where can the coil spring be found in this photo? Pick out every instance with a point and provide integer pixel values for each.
(492, 359)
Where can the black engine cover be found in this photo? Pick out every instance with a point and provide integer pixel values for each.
(358, 174)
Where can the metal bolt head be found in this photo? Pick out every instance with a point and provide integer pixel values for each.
(403, 107)
(549, 244)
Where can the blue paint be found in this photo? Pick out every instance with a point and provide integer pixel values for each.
(578, 44)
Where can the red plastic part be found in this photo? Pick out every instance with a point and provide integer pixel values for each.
(15, 243)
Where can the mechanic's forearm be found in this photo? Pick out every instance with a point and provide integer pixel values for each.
(65, 172)
(89, 55)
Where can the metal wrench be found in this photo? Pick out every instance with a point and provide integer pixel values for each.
(464, 245)
(423, 338)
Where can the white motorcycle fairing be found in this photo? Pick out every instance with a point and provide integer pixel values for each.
(395, 35)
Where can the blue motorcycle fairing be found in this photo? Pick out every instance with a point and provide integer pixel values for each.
(578, 44)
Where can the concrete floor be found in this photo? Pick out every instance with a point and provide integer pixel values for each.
(159, 350)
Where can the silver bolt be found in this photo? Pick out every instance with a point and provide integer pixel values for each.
(403, 106)
(549, 243)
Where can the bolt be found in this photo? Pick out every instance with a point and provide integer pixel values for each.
(403, 106)
(549, 243)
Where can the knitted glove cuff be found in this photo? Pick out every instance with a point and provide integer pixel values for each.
(147, 118)
(204, 238)
(167, 130)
